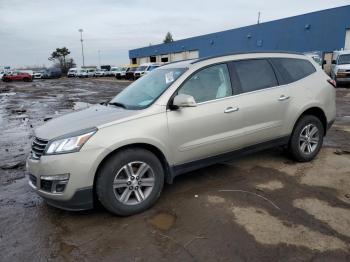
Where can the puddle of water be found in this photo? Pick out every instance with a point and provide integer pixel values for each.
(8, 94)
(336, 217)
(163, 221)
(267, 229)
(216, 200)
(271, 185)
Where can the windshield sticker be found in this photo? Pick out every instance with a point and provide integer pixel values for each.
(169, 77)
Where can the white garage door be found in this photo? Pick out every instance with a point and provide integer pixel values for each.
(347, 40)
(193, 54)
(177, 56)
(143, 60)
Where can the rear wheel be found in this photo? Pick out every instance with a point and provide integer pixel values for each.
(130, 181)
(307, 138)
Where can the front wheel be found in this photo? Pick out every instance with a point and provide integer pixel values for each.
(130, 181)
(307, 138)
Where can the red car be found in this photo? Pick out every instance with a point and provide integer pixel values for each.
(17, 76)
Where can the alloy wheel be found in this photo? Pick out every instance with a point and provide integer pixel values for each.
(133, 183)
(309, 139)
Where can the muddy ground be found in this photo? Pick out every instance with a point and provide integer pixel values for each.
(263, 207)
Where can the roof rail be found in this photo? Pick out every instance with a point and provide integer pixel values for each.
(242, 53)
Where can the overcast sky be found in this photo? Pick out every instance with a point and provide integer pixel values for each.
(31, 30)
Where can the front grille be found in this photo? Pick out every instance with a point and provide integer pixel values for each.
(38, 148)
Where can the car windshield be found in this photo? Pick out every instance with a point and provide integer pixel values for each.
(344, 59)
(132, 69)
(147, 89)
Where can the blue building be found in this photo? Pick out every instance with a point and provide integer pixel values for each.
(322, 31)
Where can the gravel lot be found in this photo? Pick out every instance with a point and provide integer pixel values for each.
(263, 207)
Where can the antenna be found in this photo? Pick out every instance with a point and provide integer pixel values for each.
(259, 17)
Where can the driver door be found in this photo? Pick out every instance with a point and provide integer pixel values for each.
(211, 127)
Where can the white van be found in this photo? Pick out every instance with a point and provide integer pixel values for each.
(340, 71)
(145, 69)
(72, 72)
(113, 71)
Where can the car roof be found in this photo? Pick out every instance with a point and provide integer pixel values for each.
(245, 55)
(179, 64)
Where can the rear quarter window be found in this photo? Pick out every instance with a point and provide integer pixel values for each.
(292, 69)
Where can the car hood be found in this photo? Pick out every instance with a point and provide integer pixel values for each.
(346, 66)
(84, 119)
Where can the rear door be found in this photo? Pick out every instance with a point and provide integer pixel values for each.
(262, 102)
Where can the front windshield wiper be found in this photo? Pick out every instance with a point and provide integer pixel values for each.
(117, 104)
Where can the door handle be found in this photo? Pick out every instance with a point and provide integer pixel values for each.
(231, 109)
(283, 97)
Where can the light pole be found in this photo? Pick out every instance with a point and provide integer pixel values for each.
(82, 46)
(99, 58)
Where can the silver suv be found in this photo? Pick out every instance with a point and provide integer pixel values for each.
(180, 117)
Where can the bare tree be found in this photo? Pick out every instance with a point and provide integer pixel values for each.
(61, 56)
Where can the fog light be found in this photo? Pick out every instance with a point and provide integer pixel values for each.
(54, 184)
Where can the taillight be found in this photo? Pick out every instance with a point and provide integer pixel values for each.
(332, 82)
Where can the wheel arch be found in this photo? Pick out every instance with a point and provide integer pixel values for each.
(317, 112)
(155, 150)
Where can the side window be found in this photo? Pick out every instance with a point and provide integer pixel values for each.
(255, 74)
(293, 69)
(208, 84)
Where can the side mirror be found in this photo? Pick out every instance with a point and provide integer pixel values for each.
(334, 62)
(183, 100)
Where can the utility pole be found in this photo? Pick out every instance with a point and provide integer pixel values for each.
(82, 46)
(259, 18)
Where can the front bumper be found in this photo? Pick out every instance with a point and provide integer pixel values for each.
(343, 79)
(81, 200)
(78, 192)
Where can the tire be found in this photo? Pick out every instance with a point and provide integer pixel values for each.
(118, 200)
(303, 147)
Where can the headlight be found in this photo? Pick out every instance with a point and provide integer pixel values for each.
(69, 144)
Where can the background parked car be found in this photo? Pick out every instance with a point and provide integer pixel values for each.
(145, 69)
(2, 73)
(340, 70)
(52, 72)
(129, 75)
(82, 73)
(31, 72)
(38, 75)
(72, 72)
(121, 73)
(86, 72)
(17, 76)
(106, 67)
(100, 73)
(113, 71)
(91, 72)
